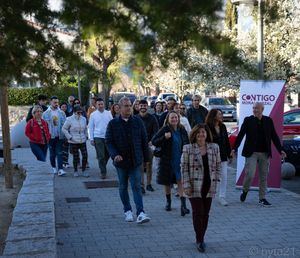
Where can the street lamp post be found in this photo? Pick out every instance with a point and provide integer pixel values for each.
(260, 35)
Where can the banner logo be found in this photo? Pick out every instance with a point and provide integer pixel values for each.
(252, 98)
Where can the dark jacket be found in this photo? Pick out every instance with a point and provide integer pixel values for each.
(223, 141)
(249, 128)
(116, 141)
(150, 124)
(196, 116)
(29, 115)
(165, 176)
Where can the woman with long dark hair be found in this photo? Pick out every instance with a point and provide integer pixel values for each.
(214, 121)
(200, 168)
(171, 138)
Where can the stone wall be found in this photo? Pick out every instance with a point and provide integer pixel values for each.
(32, 230)
(16, 114)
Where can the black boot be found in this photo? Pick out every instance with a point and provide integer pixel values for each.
(168, 205)
(184, 209)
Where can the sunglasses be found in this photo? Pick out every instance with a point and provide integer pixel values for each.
(182, 108)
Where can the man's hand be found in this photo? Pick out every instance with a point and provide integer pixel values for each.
(92, 143)
(118, 158)
(283, 155)
(168, 135)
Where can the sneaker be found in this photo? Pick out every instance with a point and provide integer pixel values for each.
(243, 196)
(222, 201)
(85, 174)
(76, 174)
(54, 171)
(143, 190)
(265, 203)
(61, 172)
(201, 247)
(149, 188)
(66, 165)
(128, 216)
(142, 218)
(103, 176)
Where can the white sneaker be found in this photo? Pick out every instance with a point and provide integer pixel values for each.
(61, 172)
(128, 216)
(76, 174)
(66, 165)
(142, 218)
(54, 171)
(85, 174)
(222, 201)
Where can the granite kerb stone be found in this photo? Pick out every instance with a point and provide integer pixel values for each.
(32, 230)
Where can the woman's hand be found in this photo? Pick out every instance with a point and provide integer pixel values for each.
(188, 191)
(168, 135)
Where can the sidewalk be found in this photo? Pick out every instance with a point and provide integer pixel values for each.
(97, 228)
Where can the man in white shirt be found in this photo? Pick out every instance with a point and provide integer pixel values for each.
(98, 122)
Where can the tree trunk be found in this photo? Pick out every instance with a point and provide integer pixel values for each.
(6, 136)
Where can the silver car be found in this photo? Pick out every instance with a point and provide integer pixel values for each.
(227, 108)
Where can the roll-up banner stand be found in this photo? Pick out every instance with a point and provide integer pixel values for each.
(271, 93)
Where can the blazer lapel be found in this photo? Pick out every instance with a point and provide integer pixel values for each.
(198, 154)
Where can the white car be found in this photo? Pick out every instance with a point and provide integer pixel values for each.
(166, 95)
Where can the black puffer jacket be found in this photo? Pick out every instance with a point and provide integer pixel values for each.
(165, 175)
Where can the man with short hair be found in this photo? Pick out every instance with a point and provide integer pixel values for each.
(259, 131)
(41, 101)
(170, 106)
(127, 144)
(55, 119)
(197, 113)
(151, 126)
(98, 122)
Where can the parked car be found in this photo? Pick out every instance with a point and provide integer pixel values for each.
(187, 100)
(166, 95)
(228, 109)
(118, 95)
(151, 101)
(290, 140)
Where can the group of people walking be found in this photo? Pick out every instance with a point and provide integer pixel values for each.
(190, 149)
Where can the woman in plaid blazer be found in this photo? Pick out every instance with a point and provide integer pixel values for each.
(200, 168)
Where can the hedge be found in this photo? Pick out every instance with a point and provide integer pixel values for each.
(28, 96)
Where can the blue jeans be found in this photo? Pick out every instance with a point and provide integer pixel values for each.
(55, 148)
(39, 150)
(134, 176)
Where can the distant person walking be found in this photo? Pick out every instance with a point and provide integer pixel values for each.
(158, 110)
(200, 168)
(151, 126)
(70, 104)
(41, 101)
(65, 146)
(55, 119)
(92, 107)
(197, 113)
(171, 138)
(214, 121)
(75, 130)
(170, 107)
(115, 110)
(38, 133)
(183, 120)
(99, 120)
(259, 131)
(127, 144)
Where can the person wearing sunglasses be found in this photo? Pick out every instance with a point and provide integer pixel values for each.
(75, 130)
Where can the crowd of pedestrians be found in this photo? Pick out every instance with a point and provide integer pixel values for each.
(187, 148)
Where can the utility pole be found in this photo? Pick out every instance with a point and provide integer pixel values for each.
(260, 40)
